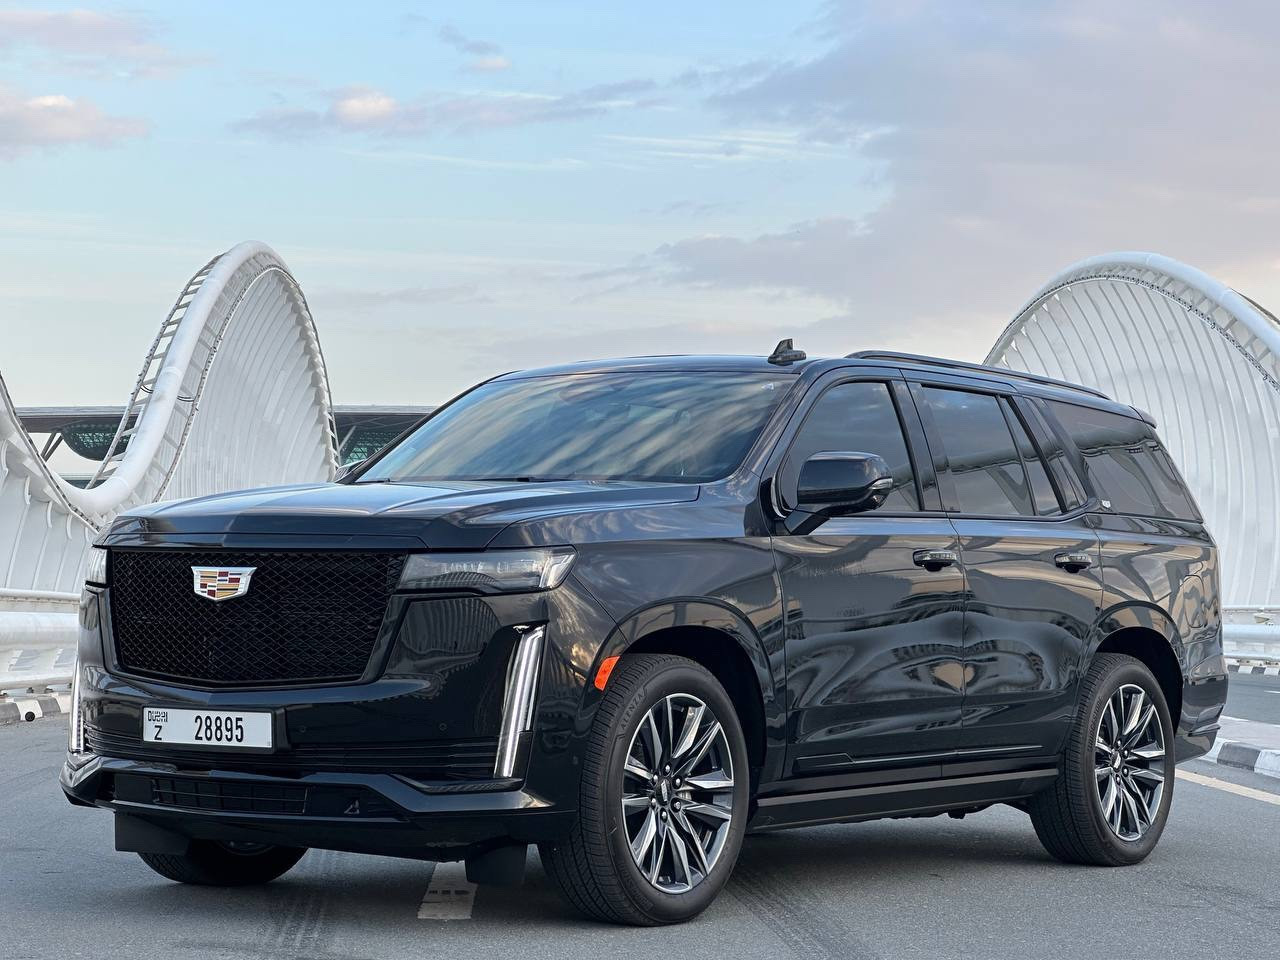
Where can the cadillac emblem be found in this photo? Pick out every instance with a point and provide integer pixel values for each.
(221, 583)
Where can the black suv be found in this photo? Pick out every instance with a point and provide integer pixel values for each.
(630, 611)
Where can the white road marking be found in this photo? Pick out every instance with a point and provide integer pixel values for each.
(449, 896)
(1229, 787)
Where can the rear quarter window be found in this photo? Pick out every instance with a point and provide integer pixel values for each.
(1125, 463)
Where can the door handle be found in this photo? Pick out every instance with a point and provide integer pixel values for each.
(935, 560)
(1073, 562)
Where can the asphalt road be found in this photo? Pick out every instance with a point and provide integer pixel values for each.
(935, 888)
(1254, 697)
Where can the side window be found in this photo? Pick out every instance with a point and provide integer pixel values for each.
(1055, 455)
(1042, 492)
(859, 417)
(1126, 463)
(985, 466)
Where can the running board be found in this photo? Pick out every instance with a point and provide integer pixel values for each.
(897, 800)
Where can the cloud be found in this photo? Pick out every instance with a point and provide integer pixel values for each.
(1011, 140)
(366, 110)
(87, 39)
(406, 296)
(54, 120)
(486, 56)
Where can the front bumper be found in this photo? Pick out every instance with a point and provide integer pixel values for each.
(359, 813)
(406, 762)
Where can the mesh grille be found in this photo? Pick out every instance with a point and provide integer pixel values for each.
(307, 617)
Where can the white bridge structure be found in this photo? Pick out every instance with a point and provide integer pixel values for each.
(1204, 360)
(233, 393)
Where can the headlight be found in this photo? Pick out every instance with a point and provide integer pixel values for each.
(95, 569)
(495, 571)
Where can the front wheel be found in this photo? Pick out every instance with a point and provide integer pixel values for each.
(663, 803)
(213, 864)
(1111, 802)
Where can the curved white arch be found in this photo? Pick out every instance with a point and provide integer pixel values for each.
(233, 393)
(1203, 360)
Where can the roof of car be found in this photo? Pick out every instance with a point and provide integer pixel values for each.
(1013, 380)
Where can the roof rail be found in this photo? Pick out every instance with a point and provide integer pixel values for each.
(922, 360)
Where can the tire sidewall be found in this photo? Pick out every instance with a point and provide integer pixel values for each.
(675, 678)
(1132, 672)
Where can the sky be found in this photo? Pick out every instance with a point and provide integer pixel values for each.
(463, 189)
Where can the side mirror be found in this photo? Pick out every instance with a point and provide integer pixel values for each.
(836, 483)
(346, 470)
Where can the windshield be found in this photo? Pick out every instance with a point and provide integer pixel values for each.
(694, 427)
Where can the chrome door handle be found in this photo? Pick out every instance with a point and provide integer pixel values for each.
(1073, 562)
(935, 560)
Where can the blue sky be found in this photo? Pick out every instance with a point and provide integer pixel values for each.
(463, 189)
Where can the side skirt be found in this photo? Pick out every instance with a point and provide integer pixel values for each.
(919, 798)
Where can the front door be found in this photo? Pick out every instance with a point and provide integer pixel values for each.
(873, 602)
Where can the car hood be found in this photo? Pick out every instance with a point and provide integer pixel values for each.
(437, 515)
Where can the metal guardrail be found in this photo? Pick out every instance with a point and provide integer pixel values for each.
(38, 635)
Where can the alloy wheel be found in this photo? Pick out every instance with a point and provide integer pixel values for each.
(1129, 760)
(677, 796)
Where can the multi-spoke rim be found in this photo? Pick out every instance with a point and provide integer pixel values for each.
(1129, 761)
(677, 794)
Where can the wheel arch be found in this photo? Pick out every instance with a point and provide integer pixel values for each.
(723, 641)
(1150, 636)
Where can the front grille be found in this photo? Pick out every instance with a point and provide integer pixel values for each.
(444, 760)
(240, 796)
(307, 617)
(228, 796)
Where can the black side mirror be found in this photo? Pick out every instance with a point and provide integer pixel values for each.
(838, 483)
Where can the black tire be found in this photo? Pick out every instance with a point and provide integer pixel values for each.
(1069, 817)
(593, 866)
(211, 864)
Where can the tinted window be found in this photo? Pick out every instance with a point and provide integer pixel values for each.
(695, 427)
(1056, 456)
(985, 466)
(1126, 463)
(1042, 492)
(862, 418)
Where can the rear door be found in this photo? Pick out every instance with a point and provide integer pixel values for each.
(873, 633)
(1032, 561)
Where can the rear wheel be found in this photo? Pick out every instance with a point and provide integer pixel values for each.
(1110, 805)
(213, 864)
(663, 801)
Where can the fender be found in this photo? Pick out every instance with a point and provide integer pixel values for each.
(710, 614)
(1136, 613)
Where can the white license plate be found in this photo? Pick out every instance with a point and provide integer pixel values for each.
(207, 728)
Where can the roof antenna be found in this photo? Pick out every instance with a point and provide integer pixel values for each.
(784, 353)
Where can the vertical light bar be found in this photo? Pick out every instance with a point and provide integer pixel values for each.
(517, 705)
(76, 744)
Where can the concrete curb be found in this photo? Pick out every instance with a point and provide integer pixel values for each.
(1267, 669)
(20, 709)
(1245, 756)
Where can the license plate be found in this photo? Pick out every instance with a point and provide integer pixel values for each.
(207, 728)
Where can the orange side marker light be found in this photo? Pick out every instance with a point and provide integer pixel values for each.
(606, 668)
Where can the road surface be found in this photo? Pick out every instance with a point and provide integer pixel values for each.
(928, 889)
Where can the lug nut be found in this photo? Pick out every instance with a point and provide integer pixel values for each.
(653, 802)
(664, 814)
